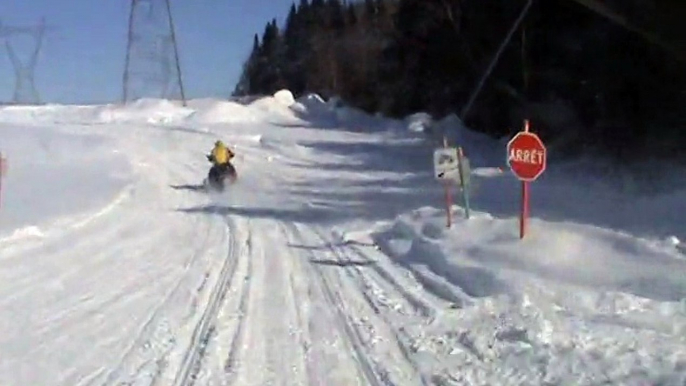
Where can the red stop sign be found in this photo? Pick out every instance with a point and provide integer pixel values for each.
(526, 156)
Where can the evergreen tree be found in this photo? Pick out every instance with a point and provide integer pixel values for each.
(569, 68)
(244, 86)
(268, 71)
(336, 16)
(351, 17)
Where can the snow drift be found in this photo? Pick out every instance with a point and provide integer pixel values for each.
(572, 303)
(53, 173)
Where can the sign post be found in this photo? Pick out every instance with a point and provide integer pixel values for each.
(465, 172)
(526, 156)
(446, 169)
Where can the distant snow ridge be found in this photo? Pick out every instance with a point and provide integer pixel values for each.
(154, 111)
(49, 114)
(284, 97)
(281, 107)
(261, 109)
(222, 112)
(313, 106)
(419, 123)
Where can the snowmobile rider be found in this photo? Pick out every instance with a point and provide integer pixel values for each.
(221, 156)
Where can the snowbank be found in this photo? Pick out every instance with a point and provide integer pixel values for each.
(419, 123)
(561, 252)
(154, 111)
(284, 97)
(50, 114)
(335, 114)
(312, 103)
(157, 111)
(53, 174)
(586, 301)
(272, 109)
(280, 108)
(222, 112)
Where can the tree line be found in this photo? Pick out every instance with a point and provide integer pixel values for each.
(588, 84)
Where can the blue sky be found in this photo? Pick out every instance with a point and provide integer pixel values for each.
(82, 60)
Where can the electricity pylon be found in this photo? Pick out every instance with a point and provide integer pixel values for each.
(152, 67)
(25, 91)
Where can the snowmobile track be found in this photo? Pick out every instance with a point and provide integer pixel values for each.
(232, 360)
(315, 374)
(204, 330)
(418, 303)
(350, 329)
(344, 324)
(367, 284)
(154, 332)
(262, 333)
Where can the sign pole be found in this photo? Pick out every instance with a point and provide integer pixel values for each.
(447, 171)
(448, 196)
(464, 172)
(527, 158)
(448, 204)
(525, 209)
(525, 197)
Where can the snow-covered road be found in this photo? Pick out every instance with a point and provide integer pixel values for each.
(327, 264)
(269, 297)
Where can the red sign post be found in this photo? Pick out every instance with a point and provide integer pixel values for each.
(526, 156)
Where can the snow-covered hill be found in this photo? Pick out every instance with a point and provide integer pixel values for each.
(329, 263)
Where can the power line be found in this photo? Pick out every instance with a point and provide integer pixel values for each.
(25, 91)
(152, 67)
(609, 13)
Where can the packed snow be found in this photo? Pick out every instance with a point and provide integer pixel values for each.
(329, 262)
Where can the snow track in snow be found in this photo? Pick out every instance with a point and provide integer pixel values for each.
(206, 327)
(380, 360)
(273, 355)
(277, 330)
(231, 326)
(185, 315)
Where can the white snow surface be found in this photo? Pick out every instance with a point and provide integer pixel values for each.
(328, 263)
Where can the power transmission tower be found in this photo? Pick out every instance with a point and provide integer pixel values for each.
(25, 91)
(152, 66)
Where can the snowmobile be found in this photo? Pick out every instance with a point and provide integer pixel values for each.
(217, 175)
